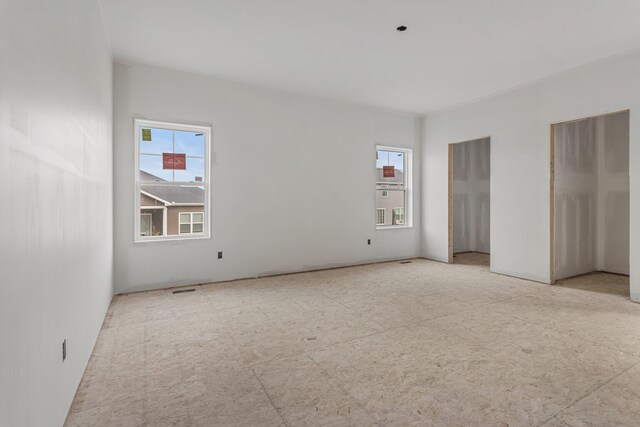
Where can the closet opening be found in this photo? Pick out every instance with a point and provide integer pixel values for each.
(469, 202)
(590, 203)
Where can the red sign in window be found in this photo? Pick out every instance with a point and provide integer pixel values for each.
(389, 171)
(174, 161)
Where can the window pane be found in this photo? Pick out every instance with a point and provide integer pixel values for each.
(145, 224)
(395, 199)
(194, 171)
(398, 216)
(390, 168)
(160, 141)
(198, 228)
(197, 217)
(189, 143)
(173, 204)
(151, 169)
(157, 143)
(150, 222)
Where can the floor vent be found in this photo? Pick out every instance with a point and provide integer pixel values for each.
(405, 262)
(181, 291)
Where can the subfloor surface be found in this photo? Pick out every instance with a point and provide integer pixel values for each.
(472, 258)
(422, 343)
(599, 282)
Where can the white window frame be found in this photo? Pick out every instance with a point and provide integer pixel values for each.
(383, 216)
(407, 187)
(385, 193)
(138, 124)
(191, 222)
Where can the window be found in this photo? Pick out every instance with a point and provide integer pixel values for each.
(145, 224)
(398, 216)
(380, 216)
(191, 222)
(172, 181)
(393, 186)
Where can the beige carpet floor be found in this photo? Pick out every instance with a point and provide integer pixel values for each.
(421, 343)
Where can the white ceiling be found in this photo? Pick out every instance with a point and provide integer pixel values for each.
(453, 51)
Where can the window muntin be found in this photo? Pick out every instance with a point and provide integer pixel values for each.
(168, 187)
(393, 186)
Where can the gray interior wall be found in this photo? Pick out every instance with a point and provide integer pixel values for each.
(470, 192)
(290, 172)
(56, 234)
(575, 198)
(612, 250)
(592, 196)
(518, 122)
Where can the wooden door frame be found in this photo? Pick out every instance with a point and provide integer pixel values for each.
(450, 208)
(552, 185)
(450, 192)
(552, 203)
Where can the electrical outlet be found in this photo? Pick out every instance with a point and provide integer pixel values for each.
(220, 255)
(368, 241)
(64, 350)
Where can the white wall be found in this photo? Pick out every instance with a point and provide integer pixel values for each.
(471, 197)
(612, 251)
(56, 248)
(293, 180)
(518, 123)
(576, 198)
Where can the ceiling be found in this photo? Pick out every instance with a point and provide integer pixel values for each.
(453, 51)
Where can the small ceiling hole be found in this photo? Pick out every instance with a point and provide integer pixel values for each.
(401, 28)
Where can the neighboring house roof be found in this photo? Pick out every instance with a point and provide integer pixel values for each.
(398, 179)
(171, 194)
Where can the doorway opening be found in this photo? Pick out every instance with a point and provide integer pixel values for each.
(590, 203)
(469, 202)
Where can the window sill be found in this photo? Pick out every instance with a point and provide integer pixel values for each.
(178, 238)
(392, 227)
